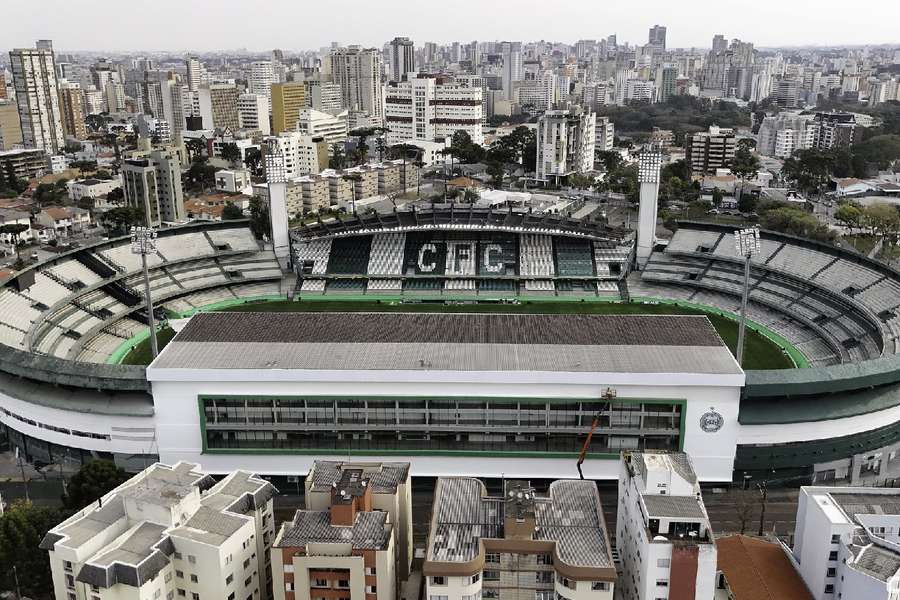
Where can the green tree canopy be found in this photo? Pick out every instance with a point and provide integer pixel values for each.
(231, 212)
(22, 527)
(120, 219)
(92, 481)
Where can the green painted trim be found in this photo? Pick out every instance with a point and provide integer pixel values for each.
(127, 346)
(229, 302)
(681, 402)
(799, 359)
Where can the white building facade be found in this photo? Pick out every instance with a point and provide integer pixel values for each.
(424, 109)
(565, 144)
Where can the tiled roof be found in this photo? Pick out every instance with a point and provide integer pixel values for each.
(383, 477)
(759, 570)
(370, 530)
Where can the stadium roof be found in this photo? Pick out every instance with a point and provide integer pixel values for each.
(448, 342)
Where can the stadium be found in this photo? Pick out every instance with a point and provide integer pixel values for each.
(251, 385)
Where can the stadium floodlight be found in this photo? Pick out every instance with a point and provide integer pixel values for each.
(746, 244)
(143, 242)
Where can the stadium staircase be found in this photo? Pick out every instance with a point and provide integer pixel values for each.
(72, 286)
(93, 262)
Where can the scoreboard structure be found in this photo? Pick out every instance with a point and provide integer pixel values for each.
(449, 251)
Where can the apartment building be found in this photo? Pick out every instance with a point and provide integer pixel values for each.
(847, 542)
(425, 108)
(288, 100)
(223, 102)
(253, 113)
(604, 135)
(303, 154)
(345, 550)
(324, 96)
(332, 128)
(25, 164)
(782, 134)
(565, 144)
(262, 76)
(403, 58)
(168, 532)
(37, 96)
(519, 545)
(710, 150)
(835, 130)
(358, 71)
(71, 109)
(10, 128)
(153, 184)
(663, 534)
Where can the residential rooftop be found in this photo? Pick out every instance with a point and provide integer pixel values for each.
(383, 478)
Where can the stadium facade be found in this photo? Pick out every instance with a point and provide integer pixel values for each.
(65, 324)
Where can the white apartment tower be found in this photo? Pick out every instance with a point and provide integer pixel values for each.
(194, 73)
(423, 109)
(253, 113)
(262, 76)
(565, 144)
(513, 67)
(403, 58)
(847, 542)
(37, 96)
(153, 185)
(168, 532)
(358, 71)
(662, 530)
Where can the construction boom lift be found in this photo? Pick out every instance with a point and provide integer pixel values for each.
(609, 395)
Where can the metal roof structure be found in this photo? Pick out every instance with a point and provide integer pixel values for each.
(383, 478)
(370, 530)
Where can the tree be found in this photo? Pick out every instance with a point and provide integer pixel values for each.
(745, 163)
(464, 149)
(253, 159)
(353, 178)
(470, 196)
(232, 212)
(849, 214)
(94, 479)
(84, 166)
(231, 153)
(419, 165)
(259, 218)
(884, 221)
(337, 160)
(115, 196)
(610, 160)
(747, 203)
(14, 230)
(791, 220)
(195, 148)
(496, 172)
(717, 197)
(121, 218)
(73, 147)
(22, 527)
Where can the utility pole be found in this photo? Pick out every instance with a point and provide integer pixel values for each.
(746, 243)
(764, 493)
(22, 470)
(16, 577)
(143, 242)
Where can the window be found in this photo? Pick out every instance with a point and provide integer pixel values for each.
(179, 574)
(168, 577)
(662, 563)
(178, 555)
(601, 586)
(193, 578)
(544, 576)
(229, 579)
(438, 580)
(492, 575)
(192, 559)
(832, 555)
(370, 589)
(157, 593)
(182, 593)
(290, 569)
(67, 565)
(71, 596)
(662, 582)
(830, 572)
(476, 578)
(565, 581)
(544, 559)
(437, 597)
(492, 558)
(231, 596)
(835, 539)
(829, 589)
(289, 587)
(343, 583)
(170, 595)
(321, 583)
(247, 581)
(70, 581)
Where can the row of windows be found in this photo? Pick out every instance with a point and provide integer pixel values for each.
(75, 432)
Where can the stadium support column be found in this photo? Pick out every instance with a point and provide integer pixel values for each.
(277, 180)
(648, 178)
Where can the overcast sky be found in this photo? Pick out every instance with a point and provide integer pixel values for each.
(209, 25)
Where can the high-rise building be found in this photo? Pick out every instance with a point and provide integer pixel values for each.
(666, 75)
(3, 94)
(787, 92)
(719, 43)
(513, 68)
(262, 76)
(333, 128)
(114, 96)
(153, 185)
(565, 144)
(358, 72)
(424, 109)
(663, 534)
(288, 99)
(604, 135)
(403, 58)
(169, 531)
(657, 38)
(324, 96)
(93, 101)
(194, 73)
(253, 113)
(37, 96)
(710, 150)
(71, 108)
(780, 135)
(835, 130)
(223, 100)
(302, 154)
(10, 127)
(518, 544)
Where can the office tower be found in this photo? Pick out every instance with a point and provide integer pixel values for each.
(223, 99)
(288, 99)
(662, 530)
(324, 96)
(10, 127)
(710, 150)
(787, 93)
(403, 58)
(169, 531)
(37, 96)
(253, 113)
(513, 68)
(422, 109)
(262, 77)
(71, 109)
(657, 38)
(565, 144)
(194, 73)
(665, 82)
(430, 51)
(153, 185)
(719, 43)
(358, 72)
(518, 544)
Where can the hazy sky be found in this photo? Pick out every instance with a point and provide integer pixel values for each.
(205, 25)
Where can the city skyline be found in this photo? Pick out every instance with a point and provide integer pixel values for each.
(73, 26)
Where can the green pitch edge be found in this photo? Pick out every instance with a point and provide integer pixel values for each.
(122, 351)
(799, 359)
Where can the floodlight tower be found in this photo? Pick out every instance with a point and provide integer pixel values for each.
(276, 177)
(746, 243)
(143, 242)
(648, 177)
